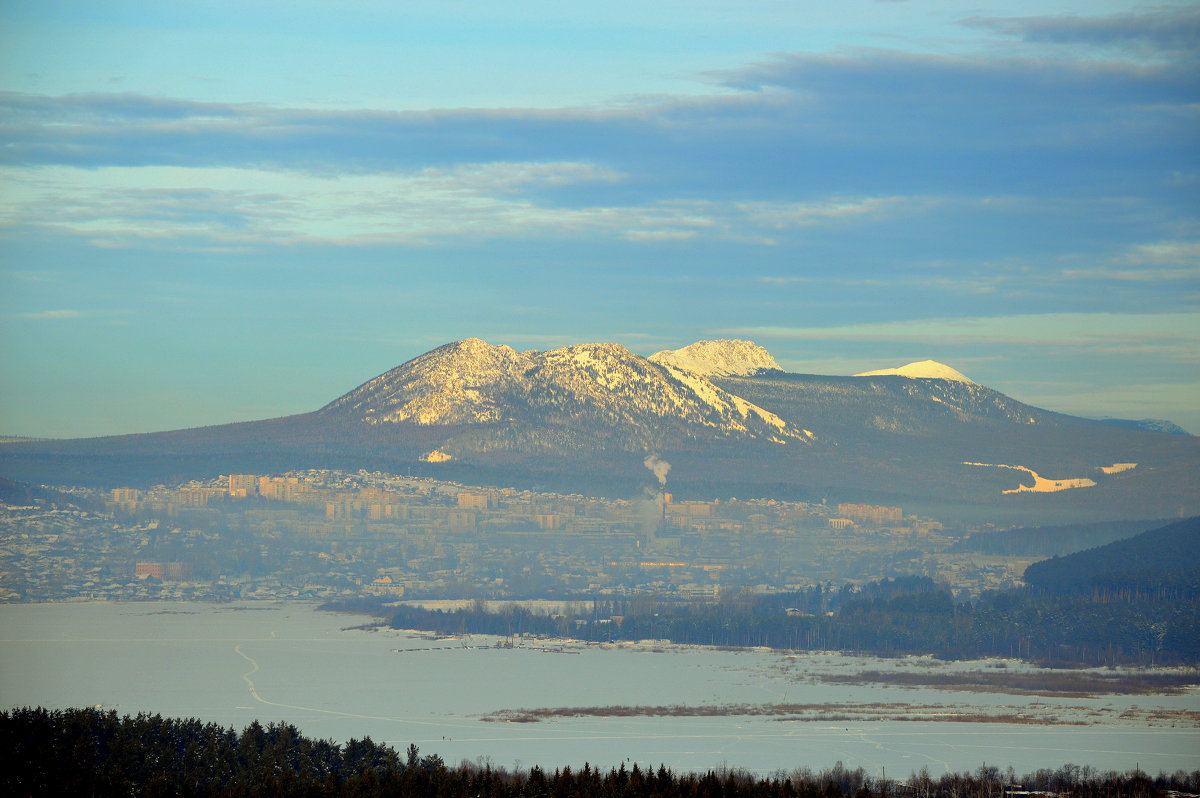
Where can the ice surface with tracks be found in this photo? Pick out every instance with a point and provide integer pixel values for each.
(233, 663)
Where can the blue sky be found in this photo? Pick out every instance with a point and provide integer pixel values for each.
(215, 212)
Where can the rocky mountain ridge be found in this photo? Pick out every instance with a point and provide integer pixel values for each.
(723, 358)
(597, 388)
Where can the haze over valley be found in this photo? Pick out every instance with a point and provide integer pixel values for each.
(753, 398)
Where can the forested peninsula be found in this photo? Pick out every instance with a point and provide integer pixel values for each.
(889, 617)
(1130, 602)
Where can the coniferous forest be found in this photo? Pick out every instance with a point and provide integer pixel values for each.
(904, 616)
(90, 752)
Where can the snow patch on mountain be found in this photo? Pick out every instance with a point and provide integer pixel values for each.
(729, 405)
(723, 358)
(1040, 483)
(923, 369)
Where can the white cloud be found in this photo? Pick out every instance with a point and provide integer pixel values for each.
(50, 315)
(660, 235)
(1131, 275)
(1058, 329)
(1166, 252)
(222, 208)
(804, 214)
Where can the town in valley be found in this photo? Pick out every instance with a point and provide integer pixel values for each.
(327, 534)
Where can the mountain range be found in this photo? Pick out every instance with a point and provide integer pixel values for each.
(589, 396)
(730, 420)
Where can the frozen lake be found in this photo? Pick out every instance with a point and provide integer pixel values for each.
(232, 663)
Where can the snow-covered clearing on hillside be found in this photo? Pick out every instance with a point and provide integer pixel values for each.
(1040, 484)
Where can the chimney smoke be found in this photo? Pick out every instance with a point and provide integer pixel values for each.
(658, 467)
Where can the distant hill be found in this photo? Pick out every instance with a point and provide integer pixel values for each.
(582, 419)
(1053, 541)
(1148, 424)
(909, 438)
(1168, 556)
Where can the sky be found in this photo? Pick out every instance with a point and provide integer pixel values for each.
(223, 211)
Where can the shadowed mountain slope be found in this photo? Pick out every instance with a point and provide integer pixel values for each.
(583, 417)
(1168, 556)
(1053, 541)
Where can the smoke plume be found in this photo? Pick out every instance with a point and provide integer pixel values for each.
(659, 467)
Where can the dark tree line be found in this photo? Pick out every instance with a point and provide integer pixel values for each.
(1105, 622)
(1136, 600)
(88, 752)
(93, 752)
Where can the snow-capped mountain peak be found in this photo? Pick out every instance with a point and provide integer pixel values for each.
(453, 384)
(723, 358)
(587, 389)
(927, 369)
